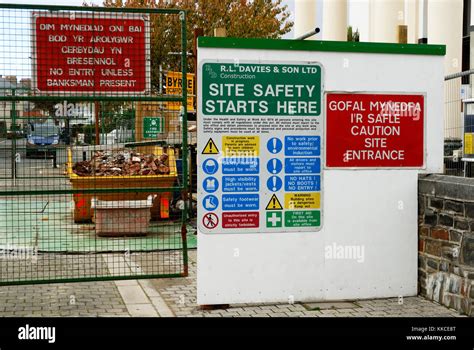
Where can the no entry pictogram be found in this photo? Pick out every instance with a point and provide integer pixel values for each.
(210, 221)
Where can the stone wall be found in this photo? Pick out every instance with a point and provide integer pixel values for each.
(446, 241)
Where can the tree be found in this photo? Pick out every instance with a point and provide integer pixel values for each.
(351, 35)
(240, 18)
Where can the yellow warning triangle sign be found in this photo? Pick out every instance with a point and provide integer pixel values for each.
(210, 148)
(274, 204)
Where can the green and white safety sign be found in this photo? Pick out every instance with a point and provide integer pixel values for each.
(260, 131)
(153, 126)
(262, 89)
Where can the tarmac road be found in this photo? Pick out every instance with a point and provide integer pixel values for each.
(29, 173)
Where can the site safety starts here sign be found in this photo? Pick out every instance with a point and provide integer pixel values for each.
(374, 130)
(87, 53)
(260, 138)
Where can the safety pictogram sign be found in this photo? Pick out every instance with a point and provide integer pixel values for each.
(274, 219)
(210, 148)
(274, 204)
(265, 122)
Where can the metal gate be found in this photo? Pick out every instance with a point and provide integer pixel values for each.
(92, 161)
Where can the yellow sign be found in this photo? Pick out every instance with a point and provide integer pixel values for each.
(240, 146)
(469, 143)
(274, 204)
(174, 86)
(210, 148)
(302, 200)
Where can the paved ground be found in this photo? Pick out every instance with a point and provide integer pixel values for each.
(176, 297)
(159, 297)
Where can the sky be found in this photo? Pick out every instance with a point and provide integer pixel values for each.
(47, 2)
(357, 11)
(358, 16)
(14, 28)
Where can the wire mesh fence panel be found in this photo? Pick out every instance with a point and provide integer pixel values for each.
(92, 156)
(459, 125)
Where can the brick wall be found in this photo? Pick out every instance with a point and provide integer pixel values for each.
(446, 241)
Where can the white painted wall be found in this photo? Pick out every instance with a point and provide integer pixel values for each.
(384, 19)
(305, 17)
(376, 209)
(411, 19)
(359, 18)
(445, 27)
(335, 20)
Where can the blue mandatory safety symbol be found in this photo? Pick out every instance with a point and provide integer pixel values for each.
(274, 145)
(307, 165)
(302, 146)
(210, 166)
(274, 166)
(210, 184)
(210, 202)
(274, 183)
(240, 165)
(249, 201)
(240, 183)
(303, 183)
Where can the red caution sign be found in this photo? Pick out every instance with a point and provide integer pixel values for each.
(78, 52)
(240, 220)
(374, 130)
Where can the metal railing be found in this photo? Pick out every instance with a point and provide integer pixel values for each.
(459, 125)
(104, 210)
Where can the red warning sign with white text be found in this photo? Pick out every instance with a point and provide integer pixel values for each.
(374, 130)
(240, 220)
(84, 53)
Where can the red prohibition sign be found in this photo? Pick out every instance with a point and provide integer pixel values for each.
(210, 221)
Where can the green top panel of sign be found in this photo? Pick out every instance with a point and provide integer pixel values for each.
(314, 45)
(261, 89)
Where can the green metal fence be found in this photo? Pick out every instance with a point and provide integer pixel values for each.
(91, 160)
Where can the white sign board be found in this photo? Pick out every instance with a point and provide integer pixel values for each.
(366, 246)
